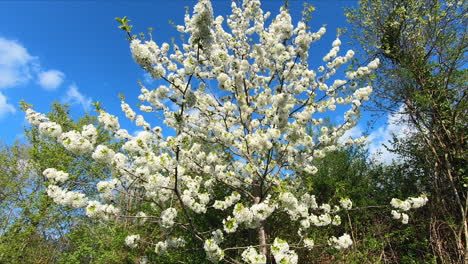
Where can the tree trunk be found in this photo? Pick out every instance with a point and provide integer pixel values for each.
(262, 239)
(262, 235)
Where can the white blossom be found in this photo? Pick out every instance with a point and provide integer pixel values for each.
(90, 133)
(65, 197)
(167, 217)
(132, 241)
(50, 129)
(251, 256)
(346, 203)
(103, 154)
(403, 206)
(55, 176)
(110, 122)
(75, 142)
(230, 225)
(213, 252)
(343, 242)
(282, 253)
(309, 243)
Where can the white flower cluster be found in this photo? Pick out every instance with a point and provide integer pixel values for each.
(399, 215)
(293, 207)
(103, 154)
(343, 242)
(110, 122)
(251, 256)
(158, 187)
(346, 203)
(252, 216)
(230, 225)
(90, 133)
(309, 243)
(200, 25)
(129, 113)
(406, 205)
(140, 121)
(282, 253)
(300, 211)
(55, 176)
(50, 129)
(160, 247)
(410, 203)
(213, 252)
(122, 134)
(141, 52)
(363, 71)
(304, 39)
(172, 242)
(228, 201)
(35, 118)
(104, 211)
(146, 108)
(65, 197)
(374, 64)
(363, 93)
(190, 197)
(334, 51)
(132, 241)
(167, 217)
(139, 144)
(75, 142)
(106, 187)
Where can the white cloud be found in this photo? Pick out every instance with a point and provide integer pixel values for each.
(73, 96)
(397, 124)
(16, 64)
(5, 107)
(381, 138)
(12, 53)
(50, 80)
(18, 67)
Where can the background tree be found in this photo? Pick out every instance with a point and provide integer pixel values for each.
(422, 47)
(36, 230)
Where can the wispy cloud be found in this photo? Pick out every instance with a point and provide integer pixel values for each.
(74, 96)
(5, 107)
(381, 138)
(50, 80)
(19, 67)
(16, 64)
(16, 67)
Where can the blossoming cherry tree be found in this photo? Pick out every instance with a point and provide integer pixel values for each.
(237, 99)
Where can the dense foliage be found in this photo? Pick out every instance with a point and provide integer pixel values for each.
(422, 46)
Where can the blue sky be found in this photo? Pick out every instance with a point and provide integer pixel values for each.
(73, 52)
